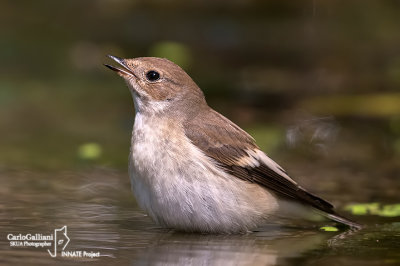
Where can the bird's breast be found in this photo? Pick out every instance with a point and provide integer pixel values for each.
(159, 164)
(158, 146)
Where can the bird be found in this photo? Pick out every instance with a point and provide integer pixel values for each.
(194, 170)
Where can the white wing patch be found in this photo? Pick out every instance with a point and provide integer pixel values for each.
(257, 157)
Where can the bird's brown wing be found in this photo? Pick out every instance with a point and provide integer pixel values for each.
(236, 152)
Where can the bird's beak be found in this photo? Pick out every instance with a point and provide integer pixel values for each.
(122, 72)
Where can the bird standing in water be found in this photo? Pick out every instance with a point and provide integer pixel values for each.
(194, 170)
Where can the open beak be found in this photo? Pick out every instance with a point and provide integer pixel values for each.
(121, 71)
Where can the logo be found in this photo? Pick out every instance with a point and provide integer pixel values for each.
(56, 243)
(61, 241)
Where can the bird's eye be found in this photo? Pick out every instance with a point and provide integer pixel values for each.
(152, 75)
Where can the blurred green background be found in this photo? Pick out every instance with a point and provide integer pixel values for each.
(312, 81)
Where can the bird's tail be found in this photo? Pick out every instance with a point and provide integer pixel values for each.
(342, 220)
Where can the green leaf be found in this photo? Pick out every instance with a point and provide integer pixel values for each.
(329, 229)
(391, 210)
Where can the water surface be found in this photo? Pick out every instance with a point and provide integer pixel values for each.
(101, 216)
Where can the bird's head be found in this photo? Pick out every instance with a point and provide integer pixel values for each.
(158, 85)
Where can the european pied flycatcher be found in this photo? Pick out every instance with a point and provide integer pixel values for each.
(192, 169)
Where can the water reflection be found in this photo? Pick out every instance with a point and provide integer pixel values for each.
(255, 249)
